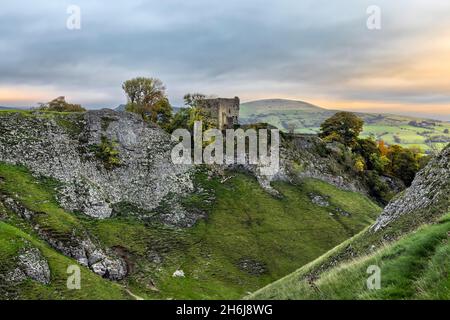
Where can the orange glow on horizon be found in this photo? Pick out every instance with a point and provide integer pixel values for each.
(24, 95)
(383, 107)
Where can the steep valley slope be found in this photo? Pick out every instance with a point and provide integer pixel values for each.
(409, 242)
(140, 226)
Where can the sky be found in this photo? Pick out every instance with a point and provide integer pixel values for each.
(317, 51)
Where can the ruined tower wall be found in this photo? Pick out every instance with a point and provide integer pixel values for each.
(224, 112)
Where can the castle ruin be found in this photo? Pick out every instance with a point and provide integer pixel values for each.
(225, 112)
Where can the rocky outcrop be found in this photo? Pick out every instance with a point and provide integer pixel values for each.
(30, 264)
(78, 245)
(430, 191)
(306, 156)
(91, 255)
(65, 147)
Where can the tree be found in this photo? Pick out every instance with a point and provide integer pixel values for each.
(180, 120)
(144, 91)
(404, 163)
(147, 97)
(343, 127)
(360, 164)
(368, 149)
(197, 113)
(383, 148)
(60, 105)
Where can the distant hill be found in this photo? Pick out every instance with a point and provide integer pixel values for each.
(120, 108)
(307, 118)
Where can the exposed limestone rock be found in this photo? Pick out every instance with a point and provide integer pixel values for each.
(16, 275)
(87, 253)
(62, 147)
(252, 266)
(341, 212)
(395, 184)
(79, 247)
(430, 189)
(178, 216)
(319, 200)
(178, 274)
(14, 206)
(30, 264)
(306, 157)
(154, 257)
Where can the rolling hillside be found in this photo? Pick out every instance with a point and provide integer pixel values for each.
(306, 118)
(415, 267)
(249, 239)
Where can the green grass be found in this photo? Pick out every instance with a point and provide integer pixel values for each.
(415, 267)
(12, 240)
(37, 195)
(37, 113)
(244, 223)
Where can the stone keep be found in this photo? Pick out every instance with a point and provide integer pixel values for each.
(224, 111)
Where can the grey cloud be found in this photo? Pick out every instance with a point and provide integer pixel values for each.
(316, 46)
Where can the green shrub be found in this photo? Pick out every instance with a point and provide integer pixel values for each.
(107, 153)
(379, 189)
(60, 105)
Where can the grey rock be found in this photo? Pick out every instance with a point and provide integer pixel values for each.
(79, 247)
(16, 275)
(14, 206)
(60, 147)
(154, 257)
(430, 188)
(83, 249)
(319, 200)
(178, 274)
(303, 160)
(252, 266)
(342, 212)
(31, 264)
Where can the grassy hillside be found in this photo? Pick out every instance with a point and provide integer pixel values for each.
(307, 118)
(410, 246)
(13, 240)
(415, 267)
(249, 239)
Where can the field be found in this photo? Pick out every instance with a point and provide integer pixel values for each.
(306, 118)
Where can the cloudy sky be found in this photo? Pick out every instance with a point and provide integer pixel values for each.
(313, 50)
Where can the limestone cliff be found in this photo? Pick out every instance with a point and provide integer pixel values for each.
(65, 147)
(429, 194)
